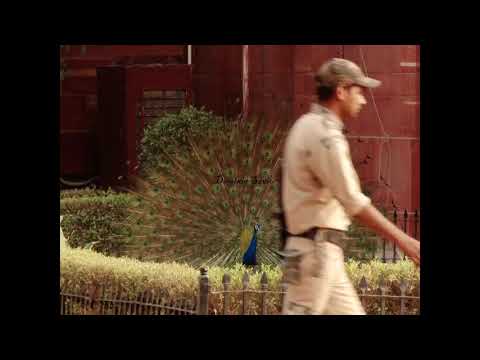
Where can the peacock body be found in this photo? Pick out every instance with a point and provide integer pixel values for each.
(214, 204)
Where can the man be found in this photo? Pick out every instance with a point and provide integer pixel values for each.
(321, 195)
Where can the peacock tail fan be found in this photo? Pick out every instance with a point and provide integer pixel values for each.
(202, 205)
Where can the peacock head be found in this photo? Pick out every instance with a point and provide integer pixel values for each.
(257, 227)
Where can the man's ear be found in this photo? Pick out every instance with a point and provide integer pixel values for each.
(340, 93)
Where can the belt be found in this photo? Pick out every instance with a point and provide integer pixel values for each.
(332, 236)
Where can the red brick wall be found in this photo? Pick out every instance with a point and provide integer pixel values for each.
(397, 101)
(271, 81)
(113, 52)
(281, 82)
(78, 107)
(307, 59)
(281, 87)
(217, 78)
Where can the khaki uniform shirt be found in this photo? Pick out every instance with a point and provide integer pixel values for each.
(320, 186)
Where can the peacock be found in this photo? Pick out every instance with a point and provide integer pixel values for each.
(206, 206)
(248, 246)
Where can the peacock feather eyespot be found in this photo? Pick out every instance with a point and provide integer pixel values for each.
(265, 173)
(267, 155)
(248, 162)
(215, 221)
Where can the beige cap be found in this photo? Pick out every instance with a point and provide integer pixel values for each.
(343, 72)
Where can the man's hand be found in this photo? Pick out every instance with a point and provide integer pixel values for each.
(411, 248)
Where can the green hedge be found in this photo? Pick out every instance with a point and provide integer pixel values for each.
(172, 132)
(97, 219)
(85, 192)
(81, 267)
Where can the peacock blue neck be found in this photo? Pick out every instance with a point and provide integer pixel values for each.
(250, 256)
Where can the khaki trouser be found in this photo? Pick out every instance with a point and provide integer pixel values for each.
(321, 285)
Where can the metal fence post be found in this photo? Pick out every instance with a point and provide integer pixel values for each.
(203, 292)
(226, 294)
(245, 281)
(363, 288)
(383, 289)
(264, 286)
(403, 291)
(93, 297)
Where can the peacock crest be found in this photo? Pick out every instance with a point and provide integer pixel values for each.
(216, 203)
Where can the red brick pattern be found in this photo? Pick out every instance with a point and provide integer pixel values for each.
(271, 81)
(281, 86)
(217, 78)
(78, 109)
(397, 102)
(111, 51)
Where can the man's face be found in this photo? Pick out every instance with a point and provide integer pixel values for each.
(352, 100)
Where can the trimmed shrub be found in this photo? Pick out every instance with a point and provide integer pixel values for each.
(85, 192)
(362, 244)
(171, 134)
(98, 221)
(81, 267)
(63, 241)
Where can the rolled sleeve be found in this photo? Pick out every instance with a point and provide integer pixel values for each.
(333, 166)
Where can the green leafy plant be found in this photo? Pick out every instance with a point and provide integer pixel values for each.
(97, 219)
(362, 243)
(171, 133)
(195, 217)
(81, 267)
(90, 191)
